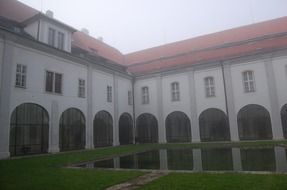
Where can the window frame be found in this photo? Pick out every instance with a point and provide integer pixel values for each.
(81, 88)
(130, 98)
(175, 91)
(60, 41)
(248, 81)
(209, 86)
(51, 39)
(22, 75)
(145, 95)
(53, 91)
(109, 93)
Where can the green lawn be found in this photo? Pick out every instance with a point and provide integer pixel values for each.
(47, 172)
(200, 181)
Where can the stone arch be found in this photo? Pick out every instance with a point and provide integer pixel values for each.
(147, 128)
(178, 128)
(254, 123)
(103, 129)
(213, 125)
(72, 130)
(29, 130)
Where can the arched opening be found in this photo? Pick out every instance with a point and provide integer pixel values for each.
(147, 129)
(284, 120)
(29, 130)
(103, 129)
(213, 124)
(177, 126)
(126, 129)
(72, 130)
(254, 123)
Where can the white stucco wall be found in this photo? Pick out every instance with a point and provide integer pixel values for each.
(100, 82)
(124, 85)
(261, 94)
(170, 106)
(203, 102)
(37, 64)
(280, 69)
(152, 106)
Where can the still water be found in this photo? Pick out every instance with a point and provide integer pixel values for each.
(205, 159)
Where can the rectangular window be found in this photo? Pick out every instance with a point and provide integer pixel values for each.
(51, 37)
(145, 95)
(21, 75)
(130, 98)
(81, 91)
(109, 94)
(53, 82)
(61, 40)
(248, 81)
(175, 96)
(209, 87)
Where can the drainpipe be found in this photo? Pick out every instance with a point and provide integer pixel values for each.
(134, 115)
(224, 87)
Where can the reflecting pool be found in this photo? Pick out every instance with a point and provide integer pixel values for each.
(205, 159)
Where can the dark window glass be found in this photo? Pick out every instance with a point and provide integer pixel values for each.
(51, 37)
(254, 123)
(61, 40)
(29, 130)
(49, 81)
(103, 129)
(58, 83)
(213, 124)
(126, 129)
(147, 129)
(178, 127)
(72, 130)
(284, 120)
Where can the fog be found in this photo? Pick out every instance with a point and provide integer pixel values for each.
(132, 25)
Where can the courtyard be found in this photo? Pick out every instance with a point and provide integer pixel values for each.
(53, 171)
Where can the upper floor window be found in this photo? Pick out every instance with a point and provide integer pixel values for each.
(21, 72)
(53, 82)
(145, 95)
(56, 39)
(209, 86)
(81, 90)
(248, 81)
(130, 98)
(61, 39)
(109, 94)
(51, 37)
(175, 91)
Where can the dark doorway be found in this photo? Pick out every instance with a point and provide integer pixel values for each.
(177, 126)
(284, 120)
(254, 123)
(213, 124)
(126, 129)
(72, 130)
(29, 130)
(147, 129)
(103, 129)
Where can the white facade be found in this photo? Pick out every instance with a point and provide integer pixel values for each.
(270, 77)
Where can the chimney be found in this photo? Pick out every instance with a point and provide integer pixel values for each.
(101, 38)
(86, 31)
(50, 13)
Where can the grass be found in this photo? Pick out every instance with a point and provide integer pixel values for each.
(200, 181)
(47, 172)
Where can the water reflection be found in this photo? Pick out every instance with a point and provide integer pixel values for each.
(207, 159)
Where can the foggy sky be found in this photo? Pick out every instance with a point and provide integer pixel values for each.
(132, 25)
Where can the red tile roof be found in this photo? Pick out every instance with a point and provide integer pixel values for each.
(177, 49)
(96, 47)
(15, 10)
